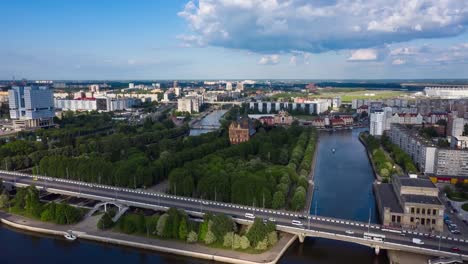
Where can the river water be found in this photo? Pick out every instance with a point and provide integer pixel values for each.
(211, 120)
(343, 189)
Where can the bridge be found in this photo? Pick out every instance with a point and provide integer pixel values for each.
(122, 209)
(303, 225)
(207, 126)
(225, 103)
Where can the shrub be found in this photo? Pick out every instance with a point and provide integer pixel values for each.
(244, 242)
(192, 237)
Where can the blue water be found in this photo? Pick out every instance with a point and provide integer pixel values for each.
(344, 181)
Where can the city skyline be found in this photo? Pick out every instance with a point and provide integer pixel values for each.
(219, 39)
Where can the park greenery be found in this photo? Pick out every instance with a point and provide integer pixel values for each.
(115, 153)
(458, 192)
(26, 202)
(465, 207)
(216, 230)
(270, 170)
(385, 163)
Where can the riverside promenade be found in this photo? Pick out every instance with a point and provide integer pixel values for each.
(87, 230)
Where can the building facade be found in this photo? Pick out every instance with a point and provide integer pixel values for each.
(313, 107)
(283, 118)
(31, 106)
(377, 123)
(240, 131)
(410, 203)
(440, 164)
(105, 104)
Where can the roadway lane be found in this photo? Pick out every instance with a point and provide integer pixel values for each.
(310, 224)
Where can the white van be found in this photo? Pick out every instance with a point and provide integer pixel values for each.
(249, 215)
(296, 223)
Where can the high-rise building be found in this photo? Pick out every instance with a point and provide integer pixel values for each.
(228, 86)
(240, 86)
(31, 106)
(94, 88)
(377, 122)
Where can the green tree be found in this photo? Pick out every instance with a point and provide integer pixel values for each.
(244, 242)
(278, 200)
(161, 224)
(272, 238)
(203, 229)
(262, 245)
(105, 222)
(192, 237)
(141, 224)
(183, 229)
(210, 238)
(4, 199)
(49, 212)
(228, 240)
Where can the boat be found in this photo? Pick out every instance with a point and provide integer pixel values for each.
(70, 236)
(333, 150)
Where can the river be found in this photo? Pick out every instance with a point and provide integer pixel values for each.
(211, 120)
(344, 183)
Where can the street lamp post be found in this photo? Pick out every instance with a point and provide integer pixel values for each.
(368, 224)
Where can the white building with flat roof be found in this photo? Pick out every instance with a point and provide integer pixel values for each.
(377, 123)
(447, 92)
(31, 106)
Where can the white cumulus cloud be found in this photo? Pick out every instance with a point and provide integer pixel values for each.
(269, 60)
(398, 62)
(275, 26)
(364, 55)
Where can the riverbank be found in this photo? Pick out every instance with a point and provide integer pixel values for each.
(369, 156)
(87, 230)
(310, 190)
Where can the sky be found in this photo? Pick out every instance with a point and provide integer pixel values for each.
(233, 39)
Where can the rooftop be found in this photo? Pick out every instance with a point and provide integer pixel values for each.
(416, 182)
(388, 198)
(422, 199)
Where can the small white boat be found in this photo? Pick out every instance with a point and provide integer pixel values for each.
(70, 236)
(333, 150)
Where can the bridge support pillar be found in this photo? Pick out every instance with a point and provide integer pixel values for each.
(377, 250)
(301, 238)
(105, 208)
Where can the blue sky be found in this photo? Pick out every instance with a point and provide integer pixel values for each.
(233, 39)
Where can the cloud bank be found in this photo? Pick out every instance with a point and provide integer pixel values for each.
(275, 26)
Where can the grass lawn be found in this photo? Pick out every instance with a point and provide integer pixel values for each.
(465, 207)
(306, 117)
(456, 196)
(346, 95)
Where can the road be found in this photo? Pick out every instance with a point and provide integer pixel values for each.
(310, 225)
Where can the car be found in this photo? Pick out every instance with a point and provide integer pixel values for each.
(296, 223)
(271, 219)
(455, 249)
(302, 217)
(349, 232)
(402, 234)
(455, 231)
(249, 215)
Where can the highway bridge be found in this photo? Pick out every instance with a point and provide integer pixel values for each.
(286, 221)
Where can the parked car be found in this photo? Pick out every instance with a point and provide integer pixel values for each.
(455, 249)
(349, 232)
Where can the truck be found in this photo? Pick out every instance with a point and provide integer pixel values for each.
(417, 241)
